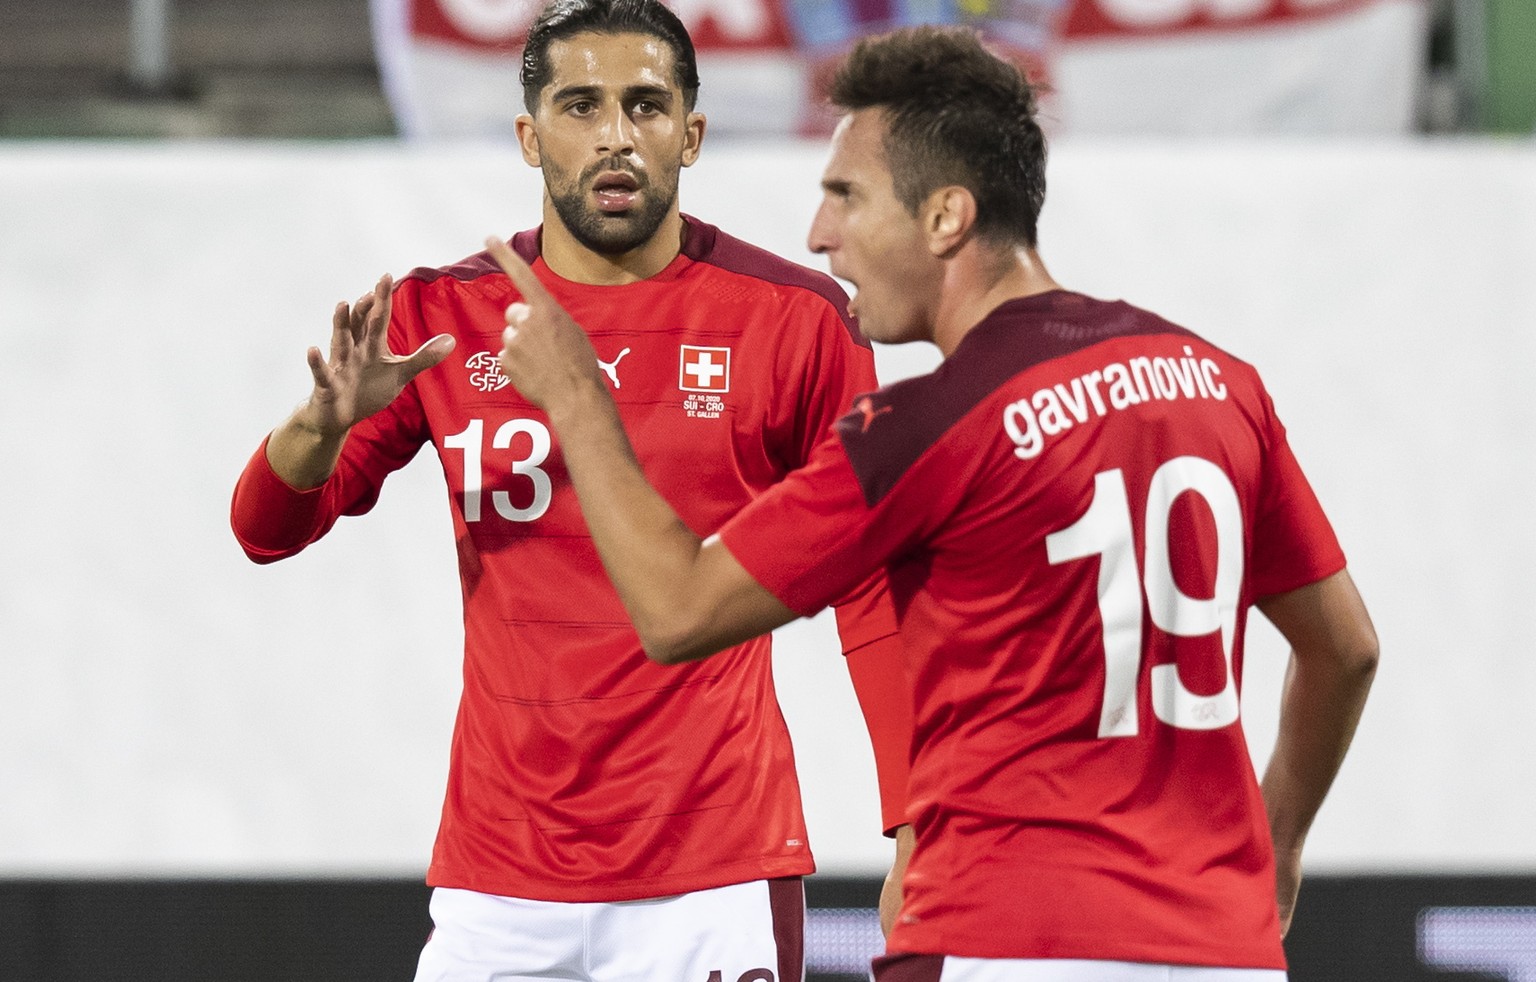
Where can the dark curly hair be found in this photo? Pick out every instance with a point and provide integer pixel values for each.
(956, 115)
(561, 19)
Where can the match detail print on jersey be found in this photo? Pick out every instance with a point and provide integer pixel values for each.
(705, 374)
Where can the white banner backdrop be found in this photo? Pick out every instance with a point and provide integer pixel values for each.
(1355, 71)
(1111, 66)
(166, 707)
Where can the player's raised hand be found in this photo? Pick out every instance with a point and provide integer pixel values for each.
(362, 375)
(544, 352)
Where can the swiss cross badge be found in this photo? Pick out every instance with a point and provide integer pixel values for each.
(704, 369)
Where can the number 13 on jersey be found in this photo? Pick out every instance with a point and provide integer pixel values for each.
(1105, 531)
(470, 440)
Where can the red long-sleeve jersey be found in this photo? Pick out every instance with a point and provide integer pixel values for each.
(581, 771)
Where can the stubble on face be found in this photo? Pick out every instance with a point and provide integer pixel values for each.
(608, 233)
(611, 136)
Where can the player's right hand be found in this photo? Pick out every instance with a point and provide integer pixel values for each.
(544, 352)
(362, 375)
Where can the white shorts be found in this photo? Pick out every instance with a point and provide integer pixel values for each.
(746, 932)
(947, 968)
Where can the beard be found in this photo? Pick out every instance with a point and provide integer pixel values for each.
(608, 233)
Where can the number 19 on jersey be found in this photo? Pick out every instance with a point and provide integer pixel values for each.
(1105, 531)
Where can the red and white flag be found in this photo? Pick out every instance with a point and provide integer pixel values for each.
(1114, 66)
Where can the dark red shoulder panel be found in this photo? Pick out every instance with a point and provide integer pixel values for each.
(707, 244)
(890, 429)
(525, 244)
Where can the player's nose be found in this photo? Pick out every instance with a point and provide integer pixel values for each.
(616, 132)
(821, 238)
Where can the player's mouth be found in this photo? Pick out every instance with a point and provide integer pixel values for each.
(854, 294)
(616, 191)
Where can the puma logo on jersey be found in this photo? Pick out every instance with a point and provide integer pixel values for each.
(866, 405)
(612, 368)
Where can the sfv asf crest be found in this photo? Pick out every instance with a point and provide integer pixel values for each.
(485, 372)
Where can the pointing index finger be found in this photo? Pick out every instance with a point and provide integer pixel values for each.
(518, 271)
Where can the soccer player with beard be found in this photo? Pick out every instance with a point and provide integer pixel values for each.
(606, 818)
(1077, 510)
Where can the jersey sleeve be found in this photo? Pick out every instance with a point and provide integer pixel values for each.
(272, 520)
(801, 539)
(884, 690)
(829, 374)
(1293, 544)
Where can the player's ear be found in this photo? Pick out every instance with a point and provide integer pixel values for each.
(948, 216)
(693, 137)
(528, 139)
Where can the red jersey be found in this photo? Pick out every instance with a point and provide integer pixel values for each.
(580, 770)
(1076, 510)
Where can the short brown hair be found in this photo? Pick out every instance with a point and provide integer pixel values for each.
(956, 114)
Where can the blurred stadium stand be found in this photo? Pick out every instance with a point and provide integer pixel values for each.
(307, 69)
(273, 68)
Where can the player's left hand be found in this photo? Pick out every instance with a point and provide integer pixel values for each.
(544, 352)
(891, 890)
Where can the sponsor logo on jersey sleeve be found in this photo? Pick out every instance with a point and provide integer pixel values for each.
(485, 372)
(866, 408)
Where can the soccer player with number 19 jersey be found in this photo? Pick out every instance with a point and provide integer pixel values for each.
(1079, 509)
(1076, 511)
